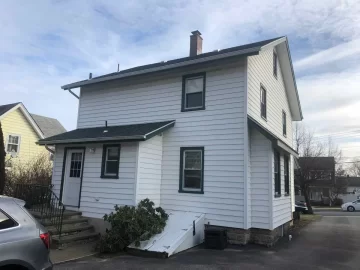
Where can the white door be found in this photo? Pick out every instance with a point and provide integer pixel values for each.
(72, 178)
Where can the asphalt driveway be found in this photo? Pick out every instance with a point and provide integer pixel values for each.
(332, 243)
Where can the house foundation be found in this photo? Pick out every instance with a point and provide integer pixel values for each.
(256, 236)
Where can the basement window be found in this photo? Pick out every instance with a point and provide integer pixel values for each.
(193, 92)
(191, 170)
(110, 161)
(277, 178)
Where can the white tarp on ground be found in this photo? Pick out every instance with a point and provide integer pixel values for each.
(183, 230)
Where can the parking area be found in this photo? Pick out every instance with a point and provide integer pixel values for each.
(331, 243)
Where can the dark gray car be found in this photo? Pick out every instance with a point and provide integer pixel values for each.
(24, 243)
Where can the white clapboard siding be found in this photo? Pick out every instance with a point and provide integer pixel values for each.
(282, 207)
(148, 183)
(260, 71)
(260, 180)
(218, 128)
(99, 196)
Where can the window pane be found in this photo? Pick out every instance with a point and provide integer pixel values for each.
(6, 222)
(111, 167)
(194, 100)
(192, 179)
(13, 139)
(75, 165)
(12, 148)
(194, 85)
(193, 160)
(113, 153)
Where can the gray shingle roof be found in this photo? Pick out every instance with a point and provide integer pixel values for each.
(7, 107)
(48, 126)
(136, 132)
(255, 45)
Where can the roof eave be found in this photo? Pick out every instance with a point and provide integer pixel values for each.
(251, 51)
(93, 140)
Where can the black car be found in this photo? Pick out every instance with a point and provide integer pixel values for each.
(301, 207)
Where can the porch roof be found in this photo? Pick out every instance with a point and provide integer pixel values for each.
(136, 132)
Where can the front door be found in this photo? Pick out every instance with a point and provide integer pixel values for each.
(72, 177)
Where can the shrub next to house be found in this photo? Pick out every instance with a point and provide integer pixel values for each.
(132, 224)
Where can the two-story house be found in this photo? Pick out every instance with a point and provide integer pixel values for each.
(210, 133)
(22, 130)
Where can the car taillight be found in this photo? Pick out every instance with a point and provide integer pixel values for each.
(45, 237)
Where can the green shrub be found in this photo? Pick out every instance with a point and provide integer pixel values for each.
(132, 224)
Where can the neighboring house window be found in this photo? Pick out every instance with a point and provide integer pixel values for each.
(275, 68)
(286, 175)
(193, 92)
(6, 222)
(13, 144)
(277, 173)
(284, 122)
(110, 161)
(191, 169)
(263, 102)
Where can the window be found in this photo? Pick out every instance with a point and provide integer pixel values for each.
(284, 122)
(191, 170)
(193, 92)
(5, 221)
(275, 64)
(13, 144)
(110, 162)
(76, 165)
(286, 175)
(263, 102)
(277, 173)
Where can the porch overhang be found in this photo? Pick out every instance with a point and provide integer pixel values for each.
(272, 137)
(135, 132)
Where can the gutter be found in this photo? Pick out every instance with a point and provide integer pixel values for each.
(101, 139)
(47, 148)
(251, 51)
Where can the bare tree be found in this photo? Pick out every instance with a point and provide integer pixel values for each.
(311, 148)
(338, 188)
(2, 162)
(354, 169)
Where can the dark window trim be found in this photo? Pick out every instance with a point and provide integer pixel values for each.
(183, 97)
(63, 172)
(105, 146)
(275, 64)
(287, 174)
(16, 224)
(262, 87)
(182, 150)
(284, 123)
(277, 177)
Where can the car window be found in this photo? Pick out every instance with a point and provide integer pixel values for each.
(5, 221)
(358, 201)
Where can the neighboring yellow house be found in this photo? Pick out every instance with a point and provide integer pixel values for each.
(21, 132)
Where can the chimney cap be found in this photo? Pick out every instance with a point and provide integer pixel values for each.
(196, 32)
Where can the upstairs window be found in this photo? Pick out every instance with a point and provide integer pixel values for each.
(275, 65)
(284, 122)
(110, 161)
(286, 175)
(13, 144)
(263, 102)
(277, 178)
(191, 169)
(193, 92)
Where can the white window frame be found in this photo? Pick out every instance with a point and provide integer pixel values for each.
(8, 142)
(107, 159)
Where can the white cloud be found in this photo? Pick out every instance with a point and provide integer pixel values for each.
(339, 52)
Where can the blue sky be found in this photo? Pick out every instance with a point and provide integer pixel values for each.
(46, 44)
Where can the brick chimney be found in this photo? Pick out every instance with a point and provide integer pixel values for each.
(195, 43)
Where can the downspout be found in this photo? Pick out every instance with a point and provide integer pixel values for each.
(47, 148)
(75, 95)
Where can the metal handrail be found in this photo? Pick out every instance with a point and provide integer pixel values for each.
(42, 199)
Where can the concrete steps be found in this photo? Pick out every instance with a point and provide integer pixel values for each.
(75, 229)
